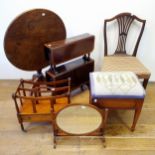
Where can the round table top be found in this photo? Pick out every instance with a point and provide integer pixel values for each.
(26, 35)
(79, 119)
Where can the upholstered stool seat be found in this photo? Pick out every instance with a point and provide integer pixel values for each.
(117, 90)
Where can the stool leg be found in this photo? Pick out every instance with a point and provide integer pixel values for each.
(137, 113)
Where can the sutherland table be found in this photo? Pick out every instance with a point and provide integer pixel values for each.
(117, 90)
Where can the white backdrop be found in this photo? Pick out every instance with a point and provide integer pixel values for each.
(81, 16)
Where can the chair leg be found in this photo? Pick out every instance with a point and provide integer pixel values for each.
(145, 82)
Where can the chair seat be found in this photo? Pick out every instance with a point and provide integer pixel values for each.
(125, 63)
(43, 107)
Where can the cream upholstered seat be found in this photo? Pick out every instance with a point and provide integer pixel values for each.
(116, 85)
(121, 60)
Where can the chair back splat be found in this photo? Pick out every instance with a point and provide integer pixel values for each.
(124, 21)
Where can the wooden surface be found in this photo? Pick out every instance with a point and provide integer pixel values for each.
(116, 104)
(78, 70)
(75, 52)
(26, 35)
(119, 140)
(68, 49)
(36, 102)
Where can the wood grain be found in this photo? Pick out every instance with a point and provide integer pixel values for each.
(119, 140)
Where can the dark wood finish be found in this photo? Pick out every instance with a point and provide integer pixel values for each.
(26, 35)
(124, 21)
(145, 82)
(40, 101)
(62, 51)
(113, 104)
(78, 70)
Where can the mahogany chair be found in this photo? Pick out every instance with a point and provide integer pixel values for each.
(121, 59)
(40, 101)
